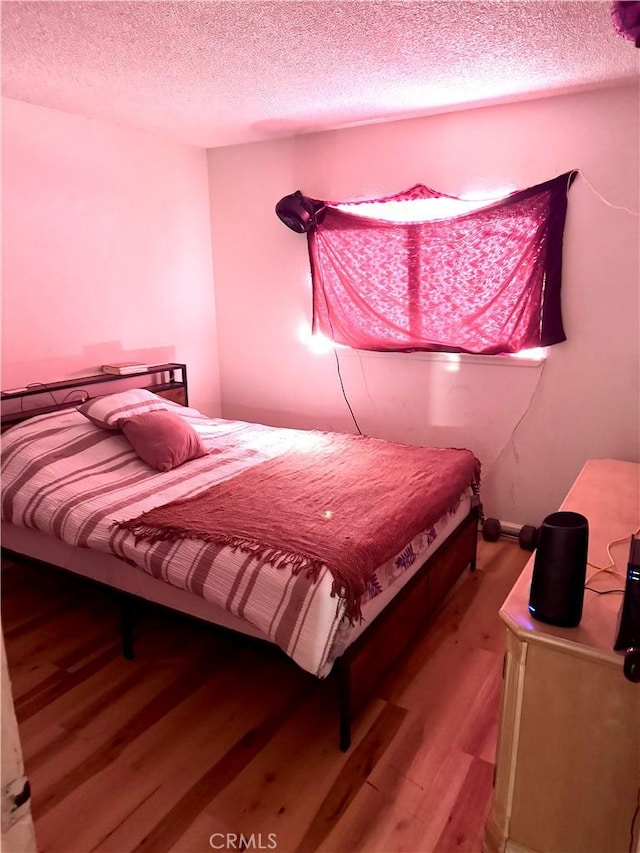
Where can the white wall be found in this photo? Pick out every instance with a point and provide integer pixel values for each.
(106, 251)
(585, 402)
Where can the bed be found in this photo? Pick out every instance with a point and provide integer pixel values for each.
(226, 534)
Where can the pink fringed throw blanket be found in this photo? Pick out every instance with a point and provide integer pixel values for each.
(348, 502)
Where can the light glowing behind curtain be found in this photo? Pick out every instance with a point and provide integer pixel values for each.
(485, 281)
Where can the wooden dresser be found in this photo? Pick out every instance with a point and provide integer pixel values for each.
(568, 759)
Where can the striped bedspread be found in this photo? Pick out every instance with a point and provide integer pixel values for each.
(72, 480)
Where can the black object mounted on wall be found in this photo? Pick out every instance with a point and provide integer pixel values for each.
(625, 15)
(559, 570)
(299, 212)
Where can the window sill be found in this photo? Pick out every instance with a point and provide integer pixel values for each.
(451, 359)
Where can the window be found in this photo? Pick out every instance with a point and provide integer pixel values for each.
(462, 276)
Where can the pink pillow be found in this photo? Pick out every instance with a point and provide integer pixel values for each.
(109, 411)
(162, 439)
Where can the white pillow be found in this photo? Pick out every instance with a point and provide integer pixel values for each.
(111, 410)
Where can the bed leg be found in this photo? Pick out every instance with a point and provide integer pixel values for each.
(476, 509)
(344, 702)
(473, 563)
(126, 626)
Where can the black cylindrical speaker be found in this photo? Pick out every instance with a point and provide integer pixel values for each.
(559, 569)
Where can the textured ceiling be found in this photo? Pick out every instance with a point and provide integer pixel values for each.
(216, 73)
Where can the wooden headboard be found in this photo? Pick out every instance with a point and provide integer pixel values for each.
(38, 398)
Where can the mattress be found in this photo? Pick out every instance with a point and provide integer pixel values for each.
(60, 506)
(115, 573)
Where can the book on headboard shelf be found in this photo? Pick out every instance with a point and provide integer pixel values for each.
(121, 368)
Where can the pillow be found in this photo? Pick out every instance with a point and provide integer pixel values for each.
(162, 439)
(108, 411)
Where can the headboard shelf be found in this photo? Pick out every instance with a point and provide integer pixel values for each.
(170, 380)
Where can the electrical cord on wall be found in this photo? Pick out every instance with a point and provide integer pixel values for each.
(633, 823)
(344, 393)
(602, 198)
(335, 352)
(486, 473)
(505, 445)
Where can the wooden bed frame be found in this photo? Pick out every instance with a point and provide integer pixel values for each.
(362, 665)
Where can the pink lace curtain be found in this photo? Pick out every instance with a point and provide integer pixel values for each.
(484, 281)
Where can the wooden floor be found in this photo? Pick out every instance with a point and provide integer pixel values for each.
(207, 734)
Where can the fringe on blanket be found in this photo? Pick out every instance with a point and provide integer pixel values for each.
(279, 558)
